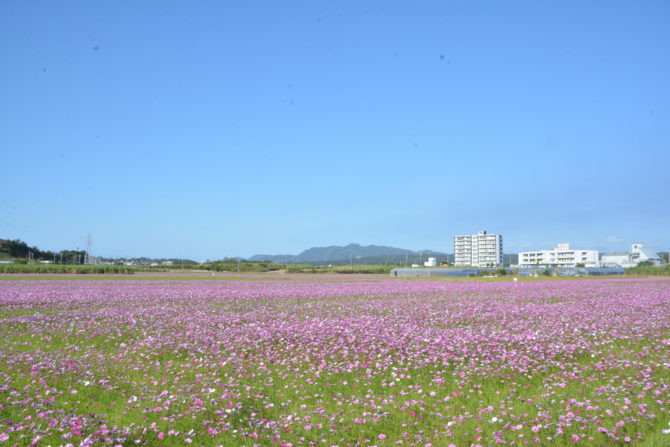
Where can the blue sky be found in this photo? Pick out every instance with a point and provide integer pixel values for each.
(210, 129)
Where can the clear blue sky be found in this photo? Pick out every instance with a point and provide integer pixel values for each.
(209, 129)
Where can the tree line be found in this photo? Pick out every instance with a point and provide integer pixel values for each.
(18, 249)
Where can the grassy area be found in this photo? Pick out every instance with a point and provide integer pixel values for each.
(376, 269)
(65, 269)
(649, 270)
(244, 268)
(139, 277)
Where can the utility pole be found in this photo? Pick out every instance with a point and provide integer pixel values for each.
(87, 256)
(405, 260)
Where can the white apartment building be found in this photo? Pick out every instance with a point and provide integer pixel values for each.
(479, 250)
(462, 250)
(561, 256)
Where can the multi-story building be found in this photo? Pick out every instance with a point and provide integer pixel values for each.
(463, 250)
(561, 256)
(480, 250)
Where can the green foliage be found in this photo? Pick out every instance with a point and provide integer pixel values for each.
(647, 268)
(546, 272)
(232, 265)
(18, 249)
(378, 269)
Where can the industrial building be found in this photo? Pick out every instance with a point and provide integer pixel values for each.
(638, 253)
(431, 262)
(479, 250)
(561, 256)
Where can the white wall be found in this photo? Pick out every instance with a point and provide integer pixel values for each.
(562, 255)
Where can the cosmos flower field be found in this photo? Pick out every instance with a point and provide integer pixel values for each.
(326, 362)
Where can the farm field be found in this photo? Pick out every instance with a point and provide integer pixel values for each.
(334, 362)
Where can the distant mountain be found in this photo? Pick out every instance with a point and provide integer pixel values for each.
(356, 253)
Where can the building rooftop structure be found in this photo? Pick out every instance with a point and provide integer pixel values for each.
(639, 252)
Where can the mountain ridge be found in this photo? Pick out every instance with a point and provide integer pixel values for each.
(349, 253)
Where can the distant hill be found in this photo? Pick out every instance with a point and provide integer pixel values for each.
(364, 254)
(356, 253)
(333, 253)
